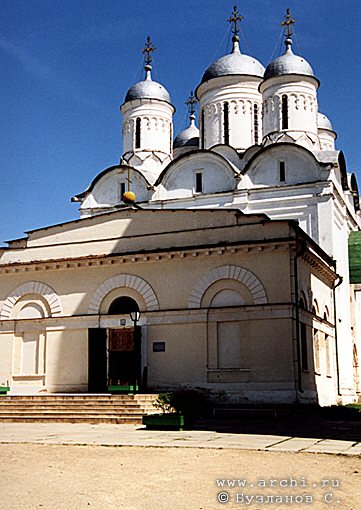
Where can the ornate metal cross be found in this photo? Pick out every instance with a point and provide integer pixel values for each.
(191, 102)
(148, 50)
(235, 19)
(287, 23)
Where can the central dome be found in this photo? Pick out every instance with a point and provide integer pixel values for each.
(234, 64)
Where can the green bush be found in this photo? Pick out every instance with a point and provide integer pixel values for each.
(165, 402)
(191, 403)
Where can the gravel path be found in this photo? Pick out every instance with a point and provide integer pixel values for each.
(55, 477)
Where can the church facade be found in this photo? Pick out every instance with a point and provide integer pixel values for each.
(216, 261)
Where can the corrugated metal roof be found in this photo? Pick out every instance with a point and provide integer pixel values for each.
(354, 255)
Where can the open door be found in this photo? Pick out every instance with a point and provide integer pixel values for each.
(97, 361)
(124, 367)
(114, 358)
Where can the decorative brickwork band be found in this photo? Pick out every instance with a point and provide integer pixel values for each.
(240, 274)
(124, 280)
(31, 288)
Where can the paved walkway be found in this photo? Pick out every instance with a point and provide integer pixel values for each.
(130, 435)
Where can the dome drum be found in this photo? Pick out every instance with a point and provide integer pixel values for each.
(289, 105)
(147, 125)
(241, 103)
(227, 82)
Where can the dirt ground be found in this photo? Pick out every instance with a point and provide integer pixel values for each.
(134, 478)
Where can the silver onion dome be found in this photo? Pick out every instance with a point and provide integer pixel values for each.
(188, 137)
(323, 122)
(148, 89)
(288, 63)
(234, 64)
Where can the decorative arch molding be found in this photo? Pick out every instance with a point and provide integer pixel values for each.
(124, 280)
(31, 288)
(238, 273)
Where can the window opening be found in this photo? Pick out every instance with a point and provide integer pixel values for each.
(202, 130)
(199, 182)
(122, 190)
(282, 168)
(226, 123)
(284, 112)
(137, 133)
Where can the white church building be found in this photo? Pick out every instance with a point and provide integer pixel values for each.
(229, 241)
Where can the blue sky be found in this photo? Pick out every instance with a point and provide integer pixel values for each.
(66, 66)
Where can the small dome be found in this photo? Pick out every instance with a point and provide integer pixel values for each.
(234, 64)
(147, 89)
(323, 122)
(288, 63)
(188, 137)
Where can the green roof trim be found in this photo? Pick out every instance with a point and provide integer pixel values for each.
(354, 256)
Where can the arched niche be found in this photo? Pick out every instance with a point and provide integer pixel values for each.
(226, 292)
(37, 292)
(251, 287)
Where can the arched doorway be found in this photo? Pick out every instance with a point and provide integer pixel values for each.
(123, 305)
(115, 352)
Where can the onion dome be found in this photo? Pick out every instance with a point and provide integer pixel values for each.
(323, 122)
(188, 137)
(288, 63)
(148, 89)
(234, 64)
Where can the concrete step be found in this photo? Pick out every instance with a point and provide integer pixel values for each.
(52, 398)
(39, 412)
(76, 408)
(85, 405)
(73, 419)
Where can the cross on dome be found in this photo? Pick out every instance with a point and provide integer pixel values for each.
(191, 102)
(147, 52)
(287, 23)
(235, 19)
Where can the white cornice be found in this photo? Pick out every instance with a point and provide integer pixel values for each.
(131, 258)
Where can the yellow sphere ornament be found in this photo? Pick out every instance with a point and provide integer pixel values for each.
(129, 197)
